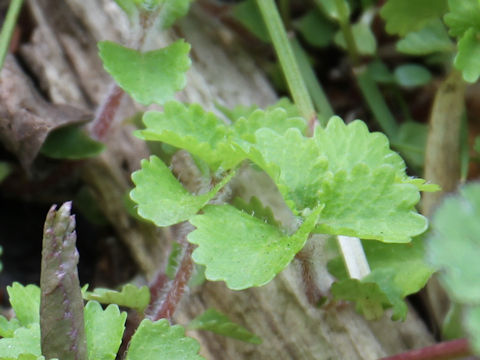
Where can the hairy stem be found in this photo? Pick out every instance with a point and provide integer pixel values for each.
(448, 350)
(8, 27)
(106, 113)
(285, 54)
(167, 307)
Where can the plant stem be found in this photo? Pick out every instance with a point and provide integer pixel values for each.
(106, 113)
(295, 82)
(353, 256)
(8, 27)
(347, 32)
(320, 100)
(443, 351)
(376, 102)
(168, 306)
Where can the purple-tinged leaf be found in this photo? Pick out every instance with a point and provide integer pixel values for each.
(61, 306)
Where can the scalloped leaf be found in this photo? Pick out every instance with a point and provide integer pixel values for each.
(104, 330)
(218, 323)
(370, 205)
(242, 250)
(149, 77)
(254, 207)
(160, 341)
(468, 57)
(284, 158)
(454, 244)
(365, 190)
(346, 146)
(276, 119)
(433, 37)
(25, 301)
(130, 296)
(463, 15)
(193, 129)
(8, 327)
(403, 16)
(25, 340)
(162, 199)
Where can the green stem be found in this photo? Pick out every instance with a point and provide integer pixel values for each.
(376, 102)
(347, 32)
(8, 27)
(320, 100)
(279, 37)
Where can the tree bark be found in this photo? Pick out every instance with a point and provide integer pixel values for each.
(61, 53)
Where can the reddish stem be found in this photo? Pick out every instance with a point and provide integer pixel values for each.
(106, 113)
(169, 304)
(442, 351)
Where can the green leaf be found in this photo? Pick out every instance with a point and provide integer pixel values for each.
(284, 157)
(244, 111)
(316, 29)
(193, 129)
(255, 208)
(370, 300)
(218, 323)
(370, 205)
(330, 8)
(25, 340)
(249, 16)
(397, 270)
(171, 11)
(468, 57)
(404, 16)
(472, 325)
(276, 119)
(104, 330)
(25, 301)
(70, 142)
(160, 341)
(242, 250)
(411, 141)
(162, 199)
(364, 39)
(454, 244)
(130, 296)
(61, 307)
(433, 37)
(8, 327)
(149, 77)
(463, 16)
(365, 190)
(412, 75)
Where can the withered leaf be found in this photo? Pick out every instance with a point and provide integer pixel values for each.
(62, 323)
(25, 117)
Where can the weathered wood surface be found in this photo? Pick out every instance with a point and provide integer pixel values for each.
(61, 53)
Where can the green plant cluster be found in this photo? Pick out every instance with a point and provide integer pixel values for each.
(337, 180)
